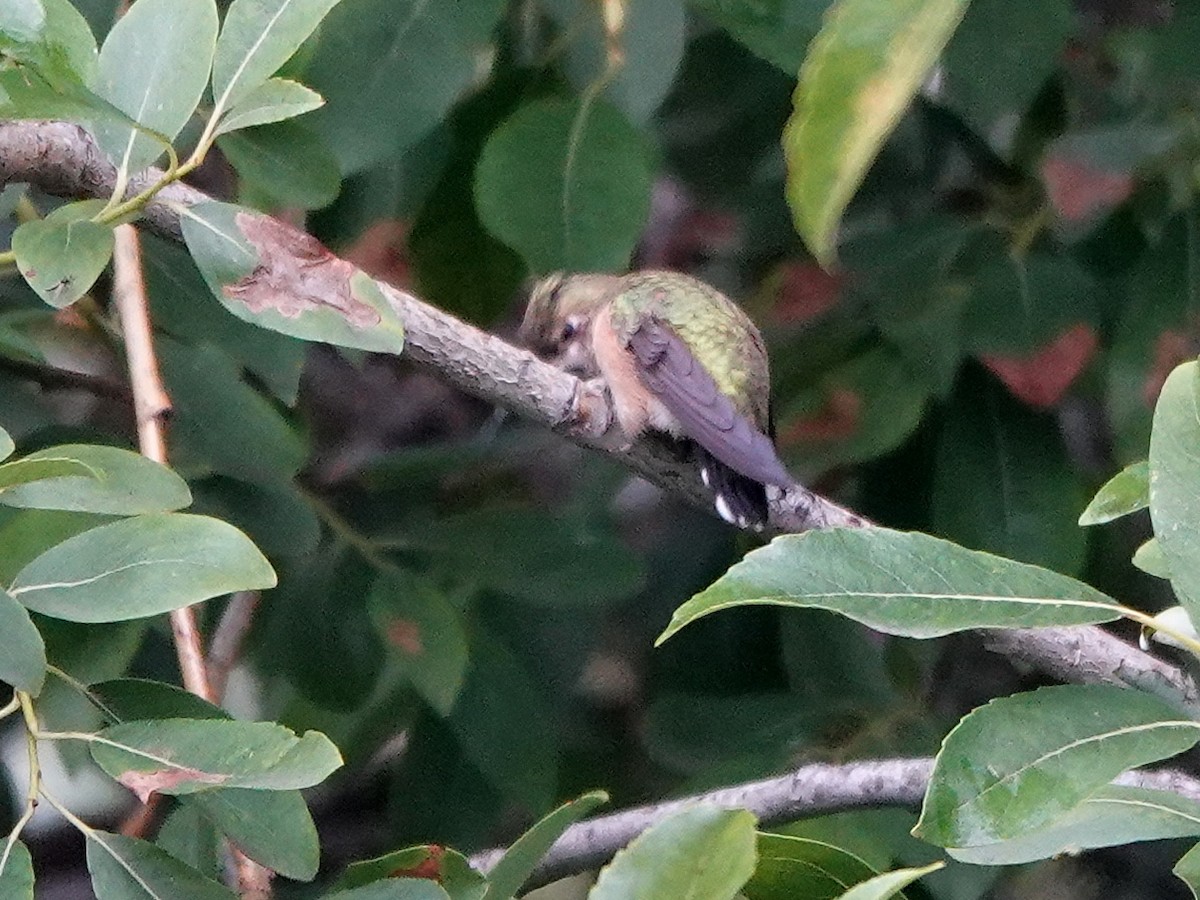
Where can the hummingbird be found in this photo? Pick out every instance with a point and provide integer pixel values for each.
(677, 356)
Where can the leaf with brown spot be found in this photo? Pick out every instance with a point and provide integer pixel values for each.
(406, 635)
(183, 756)
(429, 862)
(425, 635)
(143, 784)
(430, 867)
(269, 273)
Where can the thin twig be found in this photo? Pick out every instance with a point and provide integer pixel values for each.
(150, 401)
(54, 378)
(151, 405)
(226, 644)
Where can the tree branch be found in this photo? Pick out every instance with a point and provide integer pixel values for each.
(61, 159)
(811, 790)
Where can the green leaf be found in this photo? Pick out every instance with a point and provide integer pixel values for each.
(900, 583)
(453, 870)
(859, 76)
(22, 652)
(778, 32)
(272, 101)
(275, 514)
(1149, 557)
(257, 38)
(652, 44)
(531, 555)
(6, 445)
(504, 726)
(16, 870)
(801, 867)
(369, 47)
(1021, 762)
(519, 860)
(285, 163)
(126, 699)
(274, 828)
(115, 481)
(154, 66)
(424, 634)
(566, 185)
(350, 312)
(1124, 493)
(1003, 482)
(393, 889)
(192, 839)
(703, 853)
(50, 38)
(1188, 870)
(125, 868)
(183, 756)
(139, 567)
(1111, 817)
(20, 472)
(1018, 303)
(220, 423)
(21, 22)
(62, 260)
(881, 887)
(987, 79)
(889, 397)
(1174, 474)
(182, 305)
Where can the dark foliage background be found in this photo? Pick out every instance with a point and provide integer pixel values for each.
(1015, 279)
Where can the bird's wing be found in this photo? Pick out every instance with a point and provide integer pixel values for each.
(688, 391)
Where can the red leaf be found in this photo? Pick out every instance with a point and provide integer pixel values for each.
(806, 292)
(1171, 348)
(837, 420)
(1079, 190)
(1042, 377)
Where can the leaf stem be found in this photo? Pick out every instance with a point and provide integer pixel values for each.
(348, 534)
(11, 706)
(83, 826)
(25, 703)
(89, 738)
(84, 691)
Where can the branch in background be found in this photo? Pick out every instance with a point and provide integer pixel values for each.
(226, 644)
(62, 159)
(54, 378)
(812, 790)
(1084, 653)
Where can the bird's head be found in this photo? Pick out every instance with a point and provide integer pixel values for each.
(558, 319)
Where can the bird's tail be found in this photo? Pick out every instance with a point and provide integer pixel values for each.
(740, 501)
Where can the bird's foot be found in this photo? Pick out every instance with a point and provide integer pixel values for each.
(593, 407)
